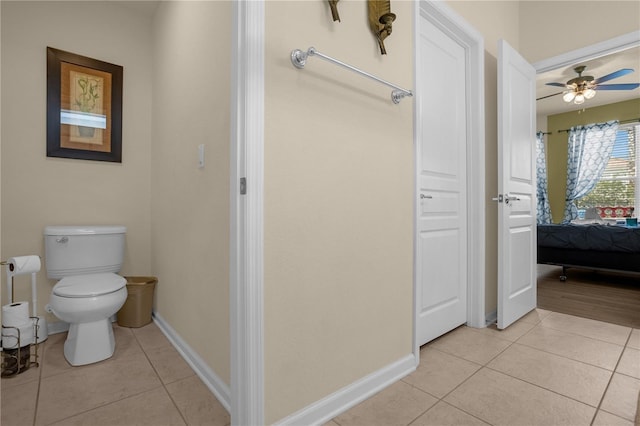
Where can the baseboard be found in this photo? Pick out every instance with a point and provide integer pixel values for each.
(57, 327)
(326, 409)
(491, 317)
(215, 384)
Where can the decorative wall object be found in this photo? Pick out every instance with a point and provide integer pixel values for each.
(381, 21)
(333, 4)
(84, 107)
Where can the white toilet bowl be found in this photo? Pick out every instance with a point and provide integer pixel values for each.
(87, 302)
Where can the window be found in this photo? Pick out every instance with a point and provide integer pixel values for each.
(620, 182)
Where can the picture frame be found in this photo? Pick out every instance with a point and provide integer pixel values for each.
(84, 107)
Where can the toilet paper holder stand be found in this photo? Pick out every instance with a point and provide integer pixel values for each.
(16, 361)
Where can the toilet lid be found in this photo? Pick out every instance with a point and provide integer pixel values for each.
(89, 285)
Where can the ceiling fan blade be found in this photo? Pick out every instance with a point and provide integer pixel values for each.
(556, 84)
(623, 86)
(619, 73)
(548, 96)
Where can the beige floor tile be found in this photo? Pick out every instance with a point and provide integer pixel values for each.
(579, 348)
(604, 331)
(511, 333)
(330, 423)
(634, 340)
(197, 404)
(439, 373)
(499, 399)
(630, 363)
(150, 337)
(91, 386)
(169, 364)
(18, 405)
(443, 414)
(606, 419)
(398, 404)
(621, 398)
(471, 345)
(151, 408)
(54, 362)
(567, 377)
(535, 316)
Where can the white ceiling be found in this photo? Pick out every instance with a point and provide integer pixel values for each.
(599, 67)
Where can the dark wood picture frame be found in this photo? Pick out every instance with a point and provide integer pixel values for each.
(84, 107)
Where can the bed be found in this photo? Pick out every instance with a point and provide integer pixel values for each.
(593, 246)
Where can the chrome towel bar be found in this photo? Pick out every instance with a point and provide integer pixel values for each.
(299, 60)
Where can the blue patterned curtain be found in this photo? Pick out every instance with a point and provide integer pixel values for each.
(544, 210)
(590, 148)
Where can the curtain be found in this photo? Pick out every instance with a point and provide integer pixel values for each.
(590, 148)
(544, 210)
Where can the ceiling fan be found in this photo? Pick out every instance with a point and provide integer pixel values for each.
(584, 87)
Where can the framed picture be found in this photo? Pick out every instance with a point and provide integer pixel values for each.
(84, 107)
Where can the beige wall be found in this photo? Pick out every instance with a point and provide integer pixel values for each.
(339, 181)
(557, 144)
(190, 206)
(37, 190)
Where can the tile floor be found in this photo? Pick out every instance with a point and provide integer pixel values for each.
(146, 382)
(546, 369)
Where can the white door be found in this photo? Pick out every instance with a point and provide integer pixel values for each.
(441, 243)
(516, 186)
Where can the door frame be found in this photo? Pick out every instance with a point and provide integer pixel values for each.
(246, 241)
(448, 21)
(603, 48)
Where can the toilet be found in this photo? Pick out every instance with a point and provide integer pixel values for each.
(85, 260)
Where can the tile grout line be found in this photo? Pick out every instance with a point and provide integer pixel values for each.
(582, 335)
(573, 334)
(40, 367)
(613, 373)
(465, 380)
(539, 324)
(99, 406)
(160, 378)
(511, 343)
(566, 357)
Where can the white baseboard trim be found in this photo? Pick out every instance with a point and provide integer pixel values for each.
(57, 327)
(216, 385)
(491, 317)
(326, 409)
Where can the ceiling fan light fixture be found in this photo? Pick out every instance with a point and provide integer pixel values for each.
(568, 96)
(589, 93)
(579, 99)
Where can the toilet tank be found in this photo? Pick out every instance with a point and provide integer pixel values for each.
(75, 250)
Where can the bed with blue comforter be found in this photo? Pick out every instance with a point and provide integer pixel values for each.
(593, 246)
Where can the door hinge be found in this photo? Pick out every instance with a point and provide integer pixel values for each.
(243, 186)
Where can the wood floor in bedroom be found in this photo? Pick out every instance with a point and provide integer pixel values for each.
(600, 295)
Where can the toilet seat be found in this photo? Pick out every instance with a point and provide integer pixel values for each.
(89, 285)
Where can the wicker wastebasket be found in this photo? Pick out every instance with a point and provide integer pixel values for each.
(136, 311)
